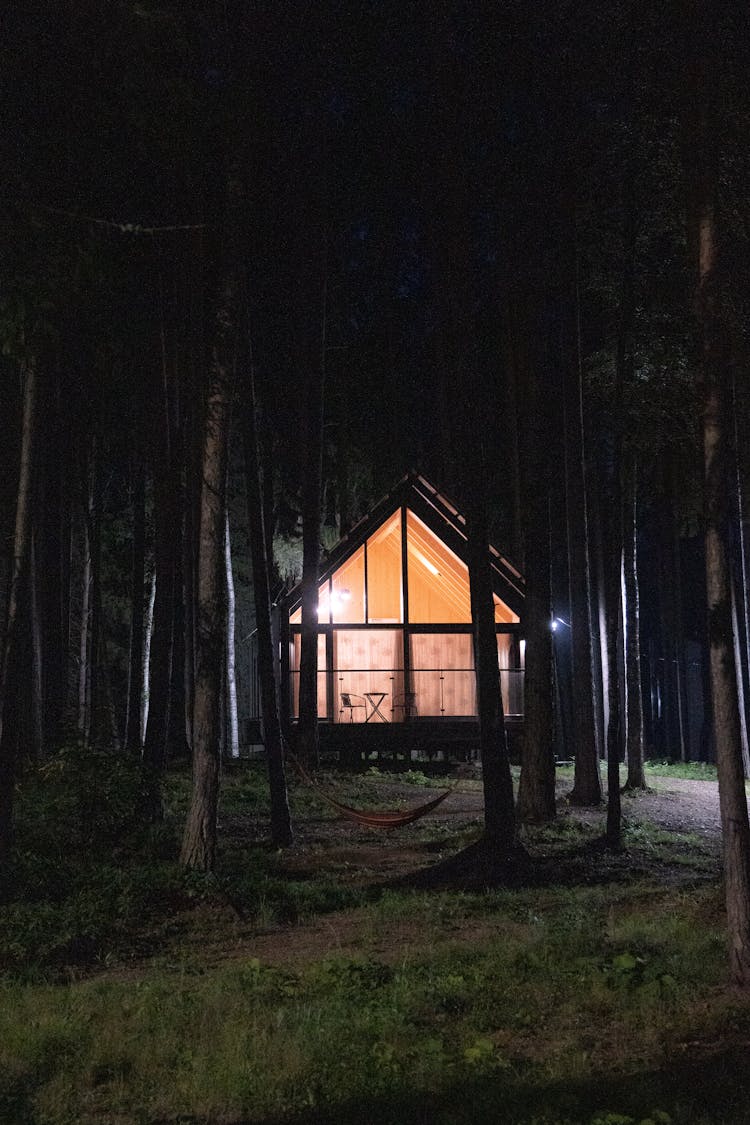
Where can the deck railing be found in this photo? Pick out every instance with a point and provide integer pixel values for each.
(433, 693)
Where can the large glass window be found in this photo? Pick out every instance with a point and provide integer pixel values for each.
(503, 614)
(442, 670)
(348, 593)
(438, 580)
(384, 591)
(324, 606)
(367, 661)
(322, 675)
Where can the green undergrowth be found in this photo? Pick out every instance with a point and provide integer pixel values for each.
(556, 995)
(699, 771)
(130, 992)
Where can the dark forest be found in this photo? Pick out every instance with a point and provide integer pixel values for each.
(374, 426)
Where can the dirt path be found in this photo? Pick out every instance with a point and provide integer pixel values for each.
(689, 807)
(682, 805)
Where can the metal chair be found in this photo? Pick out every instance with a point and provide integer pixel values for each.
(406, 703)
(352, 703)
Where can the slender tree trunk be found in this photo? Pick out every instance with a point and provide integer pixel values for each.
(281, 824)
(162, 636)
(614, 723)
(189, 562)
(536, 791)
(671, 627)
(307, 730)
(233, 727)
(265, 454)
(513, 439)
(137, 609)
(615, 529)
(37, 656)
(53, 582)
(84, 646)
(596, 609)
(97, 709)
(634, 693)
(66, 720)
(587, 786)
(148, 628)
(614, 620)
(16, 595)
(741, 703)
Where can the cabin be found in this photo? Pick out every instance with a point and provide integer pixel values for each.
(395, 653)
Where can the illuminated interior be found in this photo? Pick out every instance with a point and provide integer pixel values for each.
(348, 591)
(367, 661)
(384, 588)
(322, 674)
(437, 580)
(443, 673)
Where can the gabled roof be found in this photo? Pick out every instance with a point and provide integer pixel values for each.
(442, 517)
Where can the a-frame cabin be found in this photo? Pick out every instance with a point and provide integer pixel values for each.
(395, 653)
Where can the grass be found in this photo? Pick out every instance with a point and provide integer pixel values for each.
(699, 771)
(133, 993)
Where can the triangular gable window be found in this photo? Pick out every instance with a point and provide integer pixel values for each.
(368, 586)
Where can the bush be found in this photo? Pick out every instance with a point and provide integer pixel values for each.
(87, 868)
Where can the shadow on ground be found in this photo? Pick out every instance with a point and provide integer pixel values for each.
(707, 1085)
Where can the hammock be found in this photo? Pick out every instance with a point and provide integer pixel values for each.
(371, 819)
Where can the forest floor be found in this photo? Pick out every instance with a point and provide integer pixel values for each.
(681, 845)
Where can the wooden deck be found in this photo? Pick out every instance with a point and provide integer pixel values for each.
(399, 744)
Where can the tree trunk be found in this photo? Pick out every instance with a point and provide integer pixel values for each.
(536, 791)
(671, 627)
(281, 825)
(596, 609)
(199, 839)
(738, 574)
(166, 544)
(741, 702)
(191, 519)
(615, 526)
(98, 726)
(732, 798)
(137, 608)
(148, 628)
(702, 178)
(53, 576)
(233, 730)
(634, 692)
(587, 786)
(499, 813)
(37, 655)
(614, 635)
(84, 642)
(307, 730)
(16, 594)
